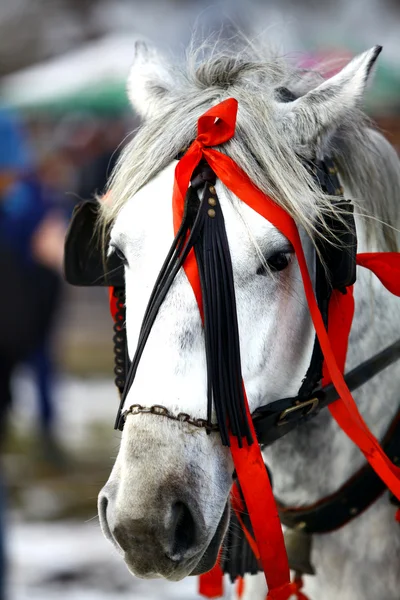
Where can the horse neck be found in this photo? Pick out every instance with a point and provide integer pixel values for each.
(317, 458)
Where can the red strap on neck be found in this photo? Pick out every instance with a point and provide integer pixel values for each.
(386, 266)
(215, 127)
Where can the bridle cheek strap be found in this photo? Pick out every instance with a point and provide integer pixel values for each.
(215, 127)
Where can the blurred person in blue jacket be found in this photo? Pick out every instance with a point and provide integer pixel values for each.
(31, 246)
(29, 263)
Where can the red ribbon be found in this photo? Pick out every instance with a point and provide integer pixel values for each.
(215, 127)
(211, 584)
(385, 265)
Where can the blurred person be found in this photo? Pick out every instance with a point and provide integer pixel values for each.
(102, 152)
(93, 146)
(29, 265)
(31, 242)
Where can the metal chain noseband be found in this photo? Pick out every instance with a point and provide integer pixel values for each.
(158, 409)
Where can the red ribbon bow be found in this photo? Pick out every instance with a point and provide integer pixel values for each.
(215, 127)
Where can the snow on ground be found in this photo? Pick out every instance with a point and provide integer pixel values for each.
(71, 561)
(79, 402)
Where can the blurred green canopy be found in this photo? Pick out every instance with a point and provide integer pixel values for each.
(93, 78)
(105, 98)
(385, 90)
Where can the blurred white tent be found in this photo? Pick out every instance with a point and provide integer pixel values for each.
(92, 76)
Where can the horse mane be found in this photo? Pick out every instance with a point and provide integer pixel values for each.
(257, 79)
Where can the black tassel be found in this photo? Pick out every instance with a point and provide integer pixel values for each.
(225, 388)
(237, 556)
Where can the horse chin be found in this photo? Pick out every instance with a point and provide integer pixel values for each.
(211, 553)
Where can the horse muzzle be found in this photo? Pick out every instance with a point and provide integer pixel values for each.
(170, 542)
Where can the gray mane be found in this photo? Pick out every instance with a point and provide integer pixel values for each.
(366, 161)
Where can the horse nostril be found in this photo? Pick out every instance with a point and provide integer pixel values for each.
(102, 510)
(183, 530)
(104, 522)
(121, 536)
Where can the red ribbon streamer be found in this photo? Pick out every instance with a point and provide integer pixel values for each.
(385, 265)
(211, 584)
(215, 127)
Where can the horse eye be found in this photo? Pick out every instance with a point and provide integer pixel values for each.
(120, 255)
(276, 262)
(285, 95)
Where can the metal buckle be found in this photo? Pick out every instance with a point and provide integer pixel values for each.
(312, 403)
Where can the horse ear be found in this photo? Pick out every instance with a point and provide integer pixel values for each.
(327, 106)
(149, 81)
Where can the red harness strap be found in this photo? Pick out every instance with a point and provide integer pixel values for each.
(215, 127)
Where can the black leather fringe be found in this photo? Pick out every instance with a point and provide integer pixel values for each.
(203, 229)
(237, 556)
(225, 388)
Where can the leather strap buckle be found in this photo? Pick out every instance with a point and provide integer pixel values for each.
(312, 403)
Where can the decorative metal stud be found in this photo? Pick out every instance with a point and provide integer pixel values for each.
(212, 201)
(333, 170)
(212, 189)
(211, 212)
(353, 511)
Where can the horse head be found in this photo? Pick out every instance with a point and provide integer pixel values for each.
(165, 506)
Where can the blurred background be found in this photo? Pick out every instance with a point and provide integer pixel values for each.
(64, 117)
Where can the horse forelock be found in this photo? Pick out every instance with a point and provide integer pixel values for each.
(264, 150)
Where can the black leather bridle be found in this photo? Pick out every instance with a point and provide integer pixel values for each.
(335, 268)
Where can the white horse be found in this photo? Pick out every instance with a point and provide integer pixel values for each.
(165, 505)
